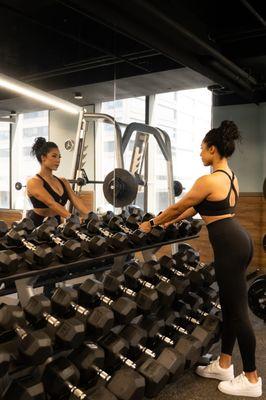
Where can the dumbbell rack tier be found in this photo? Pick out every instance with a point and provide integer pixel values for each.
(57, 272)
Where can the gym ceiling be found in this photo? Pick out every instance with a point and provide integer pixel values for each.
(61, 44)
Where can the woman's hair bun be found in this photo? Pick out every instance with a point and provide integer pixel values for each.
(228, 130)
(39, 142)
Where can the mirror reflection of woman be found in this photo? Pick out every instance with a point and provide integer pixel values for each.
(214, 196)
(48, 193)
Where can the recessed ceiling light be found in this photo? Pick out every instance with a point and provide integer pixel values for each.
(78, 96)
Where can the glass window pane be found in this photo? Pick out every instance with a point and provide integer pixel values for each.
(124, 111)
(28, 127)
(4, 164)
(186, 116)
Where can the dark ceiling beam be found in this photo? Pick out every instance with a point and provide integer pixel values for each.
(168, 37)
(253, 12)
(85, 65)
(74, 38)
(238, 36)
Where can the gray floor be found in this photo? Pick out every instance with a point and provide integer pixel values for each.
(193, 387)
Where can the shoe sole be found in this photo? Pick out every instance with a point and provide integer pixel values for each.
(239, 393)
(214, 376)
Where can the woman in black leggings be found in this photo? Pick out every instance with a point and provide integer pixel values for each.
(214, 196)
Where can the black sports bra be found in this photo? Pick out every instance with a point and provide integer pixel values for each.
(59, 199)
(218, 207)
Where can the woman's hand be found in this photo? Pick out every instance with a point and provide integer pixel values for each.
(145, 227)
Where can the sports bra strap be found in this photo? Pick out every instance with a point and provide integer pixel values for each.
(39, 176)
(221, 170)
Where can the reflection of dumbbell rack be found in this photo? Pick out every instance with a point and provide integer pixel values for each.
(26, 278)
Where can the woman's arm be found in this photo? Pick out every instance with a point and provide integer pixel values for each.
(35, 188)
(75, 200)
(199, 191)
(190, 212)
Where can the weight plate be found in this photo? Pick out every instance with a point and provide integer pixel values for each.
(257, 297)
(178, 188)
(120, 187)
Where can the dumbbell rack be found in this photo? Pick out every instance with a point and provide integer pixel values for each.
(28, 277)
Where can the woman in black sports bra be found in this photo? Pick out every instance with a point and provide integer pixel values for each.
(214, 196)
(49, 194)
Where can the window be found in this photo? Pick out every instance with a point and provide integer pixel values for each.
(29, 126)
(124, 111)
(4, 164)
(186, 117)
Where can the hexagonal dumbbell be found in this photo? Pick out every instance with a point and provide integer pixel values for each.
(138, 237)
(169, 357)
(90, 295)
(34, 346)
(98, 320)
(24, 388)
(116, 349)
(67, 333)
(146, 299)
(61, 376)
(70, 248)
(118, 240)
(135, 279)
(96, 245)
(9, 262)
(189, 346)
(43, 255)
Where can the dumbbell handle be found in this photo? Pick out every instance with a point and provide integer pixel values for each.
(127, 291)
(78, 393)
(106, 300)
(127, 361)
(176, 272)
(178, 328)
(20, 331)
(56, 239)
(29, 245)
(82, 236)
(51, 319)
(147, 351)
(105, 232)
(101, 373)
(125, 229)
(165, 339)
(79, 309)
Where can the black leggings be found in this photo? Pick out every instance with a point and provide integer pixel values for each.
(233, 251)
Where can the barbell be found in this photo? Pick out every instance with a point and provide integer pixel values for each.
(120, 187)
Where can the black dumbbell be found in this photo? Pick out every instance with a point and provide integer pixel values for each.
(107, 216)
(24, 388)
(189, 346)
(25, 224)
(169, 357)
(34, 346)
(138, 237)
(43, 255)
(98, 320)
(116, 349)
(206, 332)
(96, 245)
(9, 262)
(90, 295)
(61, 376)
(187, 254)
(3, 228)
(70, 248)
(134, 279)
(124, 214)
(146, 298)
(200, 275)
(67, 333)
(118, 240)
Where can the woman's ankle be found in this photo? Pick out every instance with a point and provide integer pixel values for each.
(225, 360)
(252, 376)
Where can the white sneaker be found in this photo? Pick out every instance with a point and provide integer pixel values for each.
(214, 371)
(240, 386)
